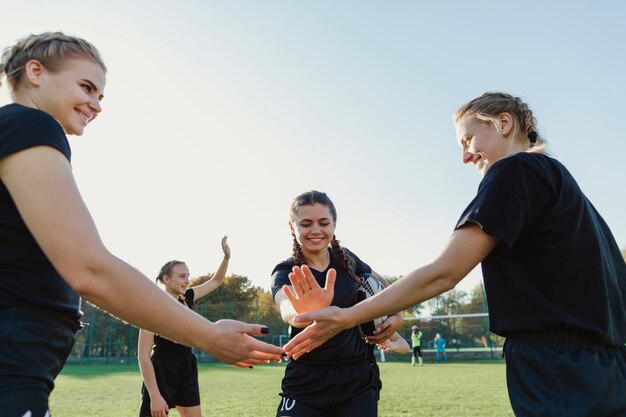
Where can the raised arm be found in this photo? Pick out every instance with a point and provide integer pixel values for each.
(217, 279)
(465, 249)
(41, 183)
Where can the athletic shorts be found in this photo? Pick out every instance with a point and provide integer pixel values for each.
(177, 379)
(417, 351)
(34, 345)
(328, 390)
(564, 379)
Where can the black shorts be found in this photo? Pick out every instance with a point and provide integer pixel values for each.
(417, 351)
(34, 345)
(330, 390)
(177, 379)
(565, 379)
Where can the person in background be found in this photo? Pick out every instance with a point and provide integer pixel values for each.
(170, 370)
(416, 341)
(440, 348)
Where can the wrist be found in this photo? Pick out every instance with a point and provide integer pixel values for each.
(226, 257)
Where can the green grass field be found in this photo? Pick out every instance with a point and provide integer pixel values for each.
(452, 389)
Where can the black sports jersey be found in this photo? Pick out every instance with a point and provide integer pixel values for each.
(165, 348)
(27, 278)
(347, 344)
(557, 266)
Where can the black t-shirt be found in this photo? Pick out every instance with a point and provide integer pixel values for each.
(27, 278)
(165, 348)
(557, 266)
(347, 344)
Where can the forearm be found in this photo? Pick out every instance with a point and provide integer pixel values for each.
(288, 313)
(115, 287)
(413, 288)
(221, 271)
(149, 377)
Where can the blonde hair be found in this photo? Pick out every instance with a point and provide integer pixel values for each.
(51, 49)
(490, 105)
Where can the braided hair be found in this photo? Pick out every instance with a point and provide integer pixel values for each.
(311, 198)
(490, 105)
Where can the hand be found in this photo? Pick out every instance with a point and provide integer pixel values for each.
(232, 343)
(225, 247)
(326, 323)
(386, 329)
(158, 406)
(309, 296)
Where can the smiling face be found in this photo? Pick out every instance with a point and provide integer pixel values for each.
(177, 281)
(71, 95)
(313, 227)
(481, 143)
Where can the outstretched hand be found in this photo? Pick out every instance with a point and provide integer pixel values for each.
(326, 323)
(309, 296)
(233, 343)
(225, 247)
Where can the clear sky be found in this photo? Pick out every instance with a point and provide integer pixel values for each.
(218, 113)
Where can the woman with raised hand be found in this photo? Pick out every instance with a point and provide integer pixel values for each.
(554, 276)
(51, 254)
(170, 370)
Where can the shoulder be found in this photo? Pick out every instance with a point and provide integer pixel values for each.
(285, 265)
(22, 127)
(280, 275)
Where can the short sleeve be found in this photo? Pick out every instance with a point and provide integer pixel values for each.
(280, 276)
(509, 201)
(189, 297)
(23, 127)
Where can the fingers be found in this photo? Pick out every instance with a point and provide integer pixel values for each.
(290, 296)
(331, 275)
(296, 283)
(308, 278)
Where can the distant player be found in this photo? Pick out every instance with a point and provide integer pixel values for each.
(416, 341)
(170, 370)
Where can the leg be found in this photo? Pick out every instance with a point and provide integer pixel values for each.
(551, 379)
(32, 353)
(363, 405)
(194, 411)
(289, 407)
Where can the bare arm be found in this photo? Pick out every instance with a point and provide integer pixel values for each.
(464, 250)
(158, 405)
(217, 279)
(41, 183)
(387, 328)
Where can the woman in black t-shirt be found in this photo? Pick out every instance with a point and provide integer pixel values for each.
(337, 379)
(170, 370)
(554, 276)
(50, 251)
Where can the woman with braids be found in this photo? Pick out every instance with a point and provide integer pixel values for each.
(337, 379)
(170, 370)
(554, 275)
(50, 251)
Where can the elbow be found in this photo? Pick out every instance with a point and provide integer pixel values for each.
(446, 278)
(84, 274)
